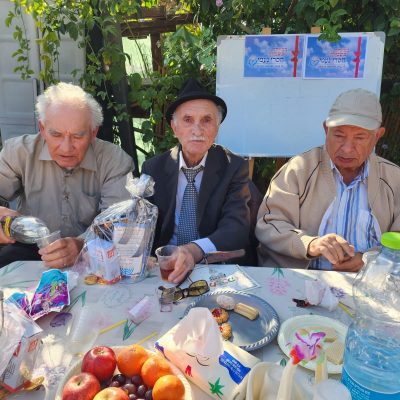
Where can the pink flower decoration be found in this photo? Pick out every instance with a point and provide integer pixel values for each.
(278, 286)
(219, 3)
(307, 347)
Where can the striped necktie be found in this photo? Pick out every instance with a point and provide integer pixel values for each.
(187, 225)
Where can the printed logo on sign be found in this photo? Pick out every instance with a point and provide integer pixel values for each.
(252, 61)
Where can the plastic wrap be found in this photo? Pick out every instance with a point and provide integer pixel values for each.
(20, 340)
(119, 240)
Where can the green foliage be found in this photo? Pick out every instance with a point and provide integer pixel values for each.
(76, 19)
(191, 50)
(188, 52)
(298, 16)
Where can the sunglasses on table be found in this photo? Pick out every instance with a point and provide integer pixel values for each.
(196, 288)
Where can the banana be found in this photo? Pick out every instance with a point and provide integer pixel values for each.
(247, 311)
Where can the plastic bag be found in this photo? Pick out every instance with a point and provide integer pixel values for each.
(120, 238)
(19, 343)
(11, 333)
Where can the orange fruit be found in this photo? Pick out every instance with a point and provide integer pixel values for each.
(130, 359)
(154, 367)
(168, 387)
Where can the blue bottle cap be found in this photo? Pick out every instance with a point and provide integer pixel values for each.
(391, 240)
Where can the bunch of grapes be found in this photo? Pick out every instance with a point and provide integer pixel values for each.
(134, 386)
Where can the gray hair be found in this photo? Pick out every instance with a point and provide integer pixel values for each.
(220, 114)
(68, 93)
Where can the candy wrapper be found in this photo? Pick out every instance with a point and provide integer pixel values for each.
(21, 299)
(319, 293)
(51, 294)
(119, 241)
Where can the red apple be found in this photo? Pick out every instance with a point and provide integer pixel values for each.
(83, 386)
(101, 362)
(112, 393)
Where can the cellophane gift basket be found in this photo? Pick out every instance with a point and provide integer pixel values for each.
(119, 241)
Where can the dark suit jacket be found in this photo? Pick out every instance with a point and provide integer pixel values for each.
(223, 213)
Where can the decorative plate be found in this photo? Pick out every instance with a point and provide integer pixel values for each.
(292, 325)
(76, 369)
(247, 334)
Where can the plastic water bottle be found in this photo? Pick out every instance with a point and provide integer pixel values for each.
(371, 367)
(24, 229)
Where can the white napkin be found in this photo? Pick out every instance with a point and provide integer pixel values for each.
(198, 333)
(318, 293)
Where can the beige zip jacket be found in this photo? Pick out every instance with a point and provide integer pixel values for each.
(298, 196)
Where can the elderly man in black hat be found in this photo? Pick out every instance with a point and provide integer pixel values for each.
(201, 189)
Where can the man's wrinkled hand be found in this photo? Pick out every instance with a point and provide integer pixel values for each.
(61, 253)
(188, 255)
(354, 264)
(331, 246)
(5, 212)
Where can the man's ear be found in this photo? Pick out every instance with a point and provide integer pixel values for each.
(325, 127)
(94, 133)
(379, 134)
(41, 129)
(173, 126)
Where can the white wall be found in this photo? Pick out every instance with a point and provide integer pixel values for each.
(17, 97)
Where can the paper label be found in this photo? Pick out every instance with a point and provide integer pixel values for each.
(360, 392)
(237, 371)
(130, 254)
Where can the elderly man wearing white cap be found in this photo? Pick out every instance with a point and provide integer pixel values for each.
(326, 207)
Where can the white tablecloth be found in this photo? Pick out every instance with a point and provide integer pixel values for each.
(96, 306)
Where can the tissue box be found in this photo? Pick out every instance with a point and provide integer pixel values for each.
(19, 368)
(224, 377)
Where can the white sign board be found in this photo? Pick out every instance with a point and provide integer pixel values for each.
(272, 115)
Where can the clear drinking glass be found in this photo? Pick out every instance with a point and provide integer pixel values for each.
(46, 240)
(166, 256)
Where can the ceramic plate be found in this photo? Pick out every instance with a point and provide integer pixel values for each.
(76, 369)
(292, 325)
(247, 334)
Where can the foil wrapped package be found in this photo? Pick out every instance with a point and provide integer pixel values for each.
(121, 237)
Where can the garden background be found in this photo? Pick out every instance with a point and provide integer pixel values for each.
(138, 54)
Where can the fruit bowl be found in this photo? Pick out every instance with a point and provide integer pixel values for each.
(76, 369)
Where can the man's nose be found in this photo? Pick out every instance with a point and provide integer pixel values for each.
(66, 144)
(197, 129)
(348, 145)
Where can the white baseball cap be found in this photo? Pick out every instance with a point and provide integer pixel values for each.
(358, 107)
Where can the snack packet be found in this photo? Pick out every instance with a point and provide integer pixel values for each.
(51, 293)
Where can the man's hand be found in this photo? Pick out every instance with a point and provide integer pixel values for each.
(5, 212)
(354, 264)
(333, 247)
(188, 255)
(61, 253)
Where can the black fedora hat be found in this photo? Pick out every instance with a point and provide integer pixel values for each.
(193, 90)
